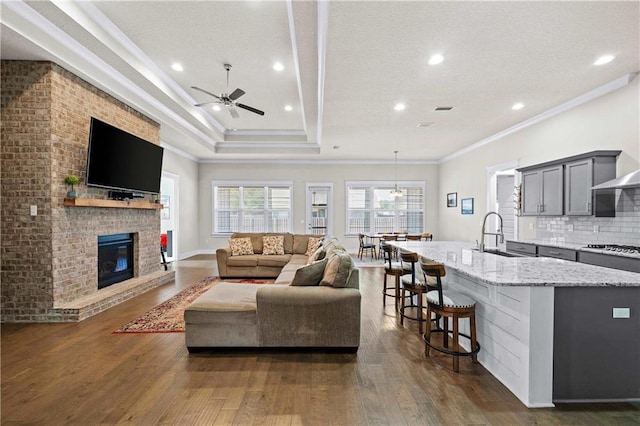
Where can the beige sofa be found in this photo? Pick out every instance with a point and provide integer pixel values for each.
(324, 315)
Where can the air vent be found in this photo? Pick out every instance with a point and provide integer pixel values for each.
(425, 124)
(443, 109)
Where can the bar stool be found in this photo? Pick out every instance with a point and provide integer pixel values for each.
(385, 238)
(394, 269)
(415, 288)
(449, 304)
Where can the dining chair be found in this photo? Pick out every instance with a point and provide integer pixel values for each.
(366, 246)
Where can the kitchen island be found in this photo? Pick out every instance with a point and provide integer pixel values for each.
(530, 310)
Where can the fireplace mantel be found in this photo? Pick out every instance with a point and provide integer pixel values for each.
(95, 202)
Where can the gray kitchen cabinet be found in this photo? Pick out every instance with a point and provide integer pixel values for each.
(526, 249)
(542, 191)
(631, 264)
(580, 176)
(557, 252)
(563, 187)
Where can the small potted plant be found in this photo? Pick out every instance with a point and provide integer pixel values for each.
(71, 180)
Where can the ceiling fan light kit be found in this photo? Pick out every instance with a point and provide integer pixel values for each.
(228, 100)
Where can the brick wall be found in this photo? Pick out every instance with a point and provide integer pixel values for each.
(51, 259)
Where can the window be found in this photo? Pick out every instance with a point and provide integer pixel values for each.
(251, 207)
(372, 208)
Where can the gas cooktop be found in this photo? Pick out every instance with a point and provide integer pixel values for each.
(616, 247)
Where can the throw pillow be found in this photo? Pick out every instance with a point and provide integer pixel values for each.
(273, 244)
(338, 269)
(312, 245)
(240, 246)
(309, 275)
(319, 254)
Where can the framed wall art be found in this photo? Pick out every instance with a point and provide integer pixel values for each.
(466, 206)
(452, 199)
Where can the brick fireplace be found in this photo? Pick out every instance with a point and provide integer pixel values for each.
(48, 262)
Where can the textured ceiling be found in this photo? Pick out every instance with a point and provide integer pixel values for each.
(346, 64)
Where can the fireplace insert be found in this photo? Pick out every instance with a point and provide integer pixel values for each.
(115, 259)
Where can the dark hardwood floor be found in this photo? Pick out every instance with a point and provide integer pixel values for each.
(81, 374)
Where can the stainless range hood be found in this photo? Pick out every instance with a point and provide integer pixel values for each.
(632, 180)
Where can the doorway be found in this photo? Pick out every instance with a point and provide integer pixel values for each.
(169, 214)
(502, 180)
(319, 211)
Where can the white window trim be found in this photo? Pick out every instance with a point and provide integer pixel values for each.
(380, 183)
(214, 183)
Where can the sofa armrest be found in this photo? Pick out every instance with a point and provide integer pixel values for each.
(222, 254)
(320, 316)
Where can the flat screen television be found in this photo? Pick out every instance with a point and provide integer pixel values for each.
(122, 161)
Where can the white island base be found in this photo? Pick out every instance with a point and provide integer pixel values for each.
(517, 350)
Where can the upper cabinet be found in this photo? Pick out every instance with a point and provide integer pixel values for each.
(542, 192)
(564, 186)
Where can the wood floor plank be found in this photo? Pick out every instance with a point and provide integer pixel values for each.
(81, 374)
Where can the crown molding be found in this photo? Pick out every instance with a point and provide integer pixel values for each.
(586, 97)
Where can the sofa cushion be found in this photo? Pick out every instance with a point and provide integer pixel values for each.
(319, 254)
(300, 242)
(313, 244)
(240, 246)
(309, 274)
(272, 245)
(246, 260)
(224, 303)
(338, 269)
(275, 260)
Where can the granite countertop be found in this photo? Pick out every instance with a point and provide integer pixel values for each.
(554, 242)
(518, 271)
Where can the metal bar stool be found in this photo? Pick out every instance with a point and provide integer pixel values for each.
(394, 269)
(454, 305)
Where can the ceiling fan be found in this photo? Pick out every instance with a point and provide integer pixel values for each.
(228, 99)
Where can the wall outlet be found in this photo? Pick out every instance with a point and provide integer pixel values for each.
(33, 210)
(570, 228)
(621, 312)
(596, 228)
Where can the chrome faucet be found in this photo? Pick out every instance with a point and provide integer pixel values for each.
(500, 233)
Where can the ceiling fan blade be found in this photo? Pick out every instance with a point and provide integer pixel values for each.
(206, 103)
(233, 112)
(248, 108)
(204, 91)
(236, 94)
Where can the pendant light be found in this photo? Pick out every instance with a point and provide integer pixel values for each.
(396, 191)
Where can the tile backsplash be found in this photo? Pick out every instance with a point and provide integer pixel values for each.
(622, 229)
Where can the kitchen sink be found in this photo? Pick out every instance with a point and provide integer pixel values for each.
(501, 253)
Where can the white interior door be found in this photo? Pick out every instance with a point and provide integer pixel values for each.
(319, 208)
(501, 182)
(169, 213)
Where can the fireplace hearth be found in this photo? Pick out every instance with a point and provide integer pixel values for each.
(115, 259)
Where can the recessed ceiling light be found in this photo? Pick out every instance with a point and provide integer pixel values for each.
(278, 66)
(517, 105)
(177, 67)
(288, 107)
(216, 107)
(436, 59)
(604, 60)
(399, 107)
